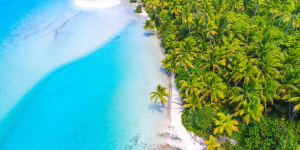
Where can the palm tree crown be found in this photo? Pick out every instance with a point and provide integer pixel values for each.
(225, 122)
(159, 94)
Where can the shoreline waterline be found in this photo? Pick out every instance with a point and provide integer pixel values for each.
(174, 134)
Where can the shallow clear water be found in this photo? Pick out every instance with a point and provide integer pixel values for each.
(46, 37)
(85, 93)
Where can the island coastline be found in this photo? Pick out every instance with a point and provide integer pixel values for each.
(176, 136)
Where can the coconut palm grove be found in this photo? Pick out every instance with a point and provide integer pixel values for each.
(237, 66)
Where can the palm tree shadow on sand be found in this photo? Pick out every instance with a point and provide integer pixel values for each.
(156, 107)
(165, 71)
(148, 34)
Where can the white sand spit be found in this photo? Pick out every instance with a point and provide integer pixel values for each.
(96, 4)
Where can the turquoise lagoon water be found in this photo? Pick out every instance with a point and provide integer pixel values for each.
(82, 87)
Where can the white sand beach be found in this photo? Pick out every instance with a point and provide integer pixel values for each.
(173, 133)
(96, 4)
(186, 140)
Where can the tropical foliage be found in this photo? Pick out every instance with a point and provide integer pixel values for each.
(270, 134)
(211, 143)
(200, 121)
(242, 56)
(225, 123)
(138, 9)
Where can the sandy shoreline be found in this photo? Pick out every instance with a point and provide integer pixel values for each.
(185, 139)
(173, 134)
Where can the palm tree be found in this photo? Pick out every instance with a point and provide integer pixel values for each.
(149, 25)
(237, 5)
(250, 111)
(288, 89)
(212, 87)
(187, 20)
(169, 61)
(297, 101)
(152, 4)
(160, 94)
(189, 87)
(176, 9)
(245, 72)
(242, 52)
(211, 144)
(213, 59)
(269, 92)
(249, 92)
(184, 60)
(193, 102)
(267, 68)
(225, 122)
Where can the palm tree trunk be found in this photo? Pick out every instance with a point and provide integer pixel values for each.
(158, 16)
(205, 17)
(256, 8)
(265, 111)
(175, 102)
(210, 41)
(280, 20)
(272, 15)
(286, 30)
(170, 92)
(294, 114)
(294, 28)
(290, 110)
(255, 11)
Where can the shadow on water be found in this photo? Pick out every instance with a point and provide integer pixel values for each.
(156, 107)
(165, 71)
(148, 34)
(135, 143)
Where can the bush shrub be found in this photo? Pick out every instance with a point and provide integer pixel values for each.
(270, 134)
(228, 146)
(199, 121)
(138, 9)
(133, 1)
(204, 118)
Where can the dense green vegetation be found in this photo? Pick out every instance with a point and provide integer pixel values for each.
(200, 122)
(138, 9)
(275, 134)
(133, 1)
(239, 57)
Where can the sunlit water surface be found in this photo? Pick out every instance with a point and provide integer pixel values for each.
(76, 77)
